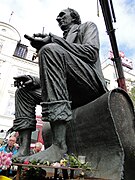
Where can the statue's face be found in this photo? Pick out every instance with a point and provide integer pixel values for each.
(64, 19)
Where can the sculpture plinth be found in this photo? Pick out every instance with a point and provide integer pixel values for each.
(104, 132)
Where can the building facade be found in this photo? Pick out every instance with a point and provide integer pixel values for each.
(15, 60)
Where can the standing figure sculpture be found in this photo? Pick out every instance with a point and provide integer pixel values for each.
(70, 77)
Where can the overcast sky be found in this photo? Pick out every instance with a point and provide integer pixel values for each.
(30, 16)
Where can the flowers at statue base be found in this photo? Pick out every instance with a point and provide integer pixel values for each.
(73, 162)
(32, 173)
(68, 161)
(5, 160)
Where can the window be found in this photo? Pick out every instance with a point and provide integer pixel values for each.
(10, 110)
(21, 50)
(0, 68)
(34, 136)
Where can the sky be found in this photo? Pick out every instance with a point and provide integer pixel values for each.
(32, 16)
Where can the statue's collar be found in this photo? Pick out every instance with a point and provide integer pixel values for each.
(71, 35)
(74, 28)
(71, 30)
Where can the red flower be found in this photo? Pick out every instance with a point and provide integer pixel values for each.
(26, 162)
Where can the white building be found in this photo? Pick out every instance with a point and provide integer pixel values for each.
(110, 72)
(15, 59)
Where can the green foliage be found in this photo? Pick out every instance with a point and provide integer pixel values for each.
(72, 161)
(132, 95)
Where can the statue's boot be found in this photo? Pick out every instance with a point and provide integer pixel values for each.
(58, 148)
(25, 141)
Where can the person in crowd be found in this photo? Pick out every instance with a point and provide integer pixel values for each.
(37, 148)
(10, 146)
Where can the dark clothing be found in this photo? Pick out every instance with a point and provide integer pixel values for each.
(25, 103)
(70, 74)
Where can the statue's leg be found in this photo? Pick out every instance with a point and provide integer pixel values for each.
(60, 73)
(25, 141)
(58, 148)
(25, 121)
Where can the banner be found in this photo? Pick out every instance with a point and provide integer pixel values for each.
(126, 62)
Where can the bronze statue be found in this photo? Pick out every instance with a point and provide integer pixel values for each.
(70, 76)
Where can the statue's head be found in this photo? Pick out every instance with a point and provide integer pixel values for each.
(67, 18)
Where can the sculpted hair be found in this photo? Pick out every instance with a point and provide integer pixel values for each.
(74, 14)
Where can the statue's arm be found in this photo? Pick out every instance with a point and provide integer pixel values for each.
(27, 81)
(37, 43)
(36, 81)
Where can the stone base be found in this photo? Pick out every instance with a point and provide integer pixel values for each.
(104, 132)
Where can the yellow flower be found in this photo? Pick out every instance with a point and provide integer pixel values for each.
(63, 162)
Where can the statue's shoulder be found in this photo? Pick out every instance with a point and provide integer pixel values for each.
(87, 24)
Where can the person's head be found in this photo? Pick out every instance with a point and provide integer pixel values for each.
(11, 141)
(38, 147)
(67, 18)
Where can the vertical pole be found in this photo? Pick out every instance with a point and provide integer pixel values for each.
(43, 30)
(111, 32)
(11, 16)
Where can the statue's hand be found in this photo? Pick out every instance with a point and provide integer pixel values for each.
(23, 81)
(37, 43)
(39, 35)
(29, 37)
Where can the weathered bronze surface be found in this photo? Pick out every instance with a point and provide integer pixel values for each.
(104, 132)
(70, 76)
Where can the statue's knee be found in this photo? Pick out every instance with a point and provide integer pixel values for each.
(52, 47)
(20, 91)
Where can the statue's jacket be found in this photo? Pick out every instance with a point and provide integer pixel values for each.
(83, 42)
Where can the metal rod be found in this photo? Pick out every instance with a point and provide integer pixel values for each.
(111, 32)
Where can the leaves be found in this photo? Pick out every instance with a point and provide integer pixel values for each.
(132, 95)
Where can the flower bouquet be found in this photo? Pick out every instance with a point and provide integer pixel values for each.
(73, 162)
(5, 160)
